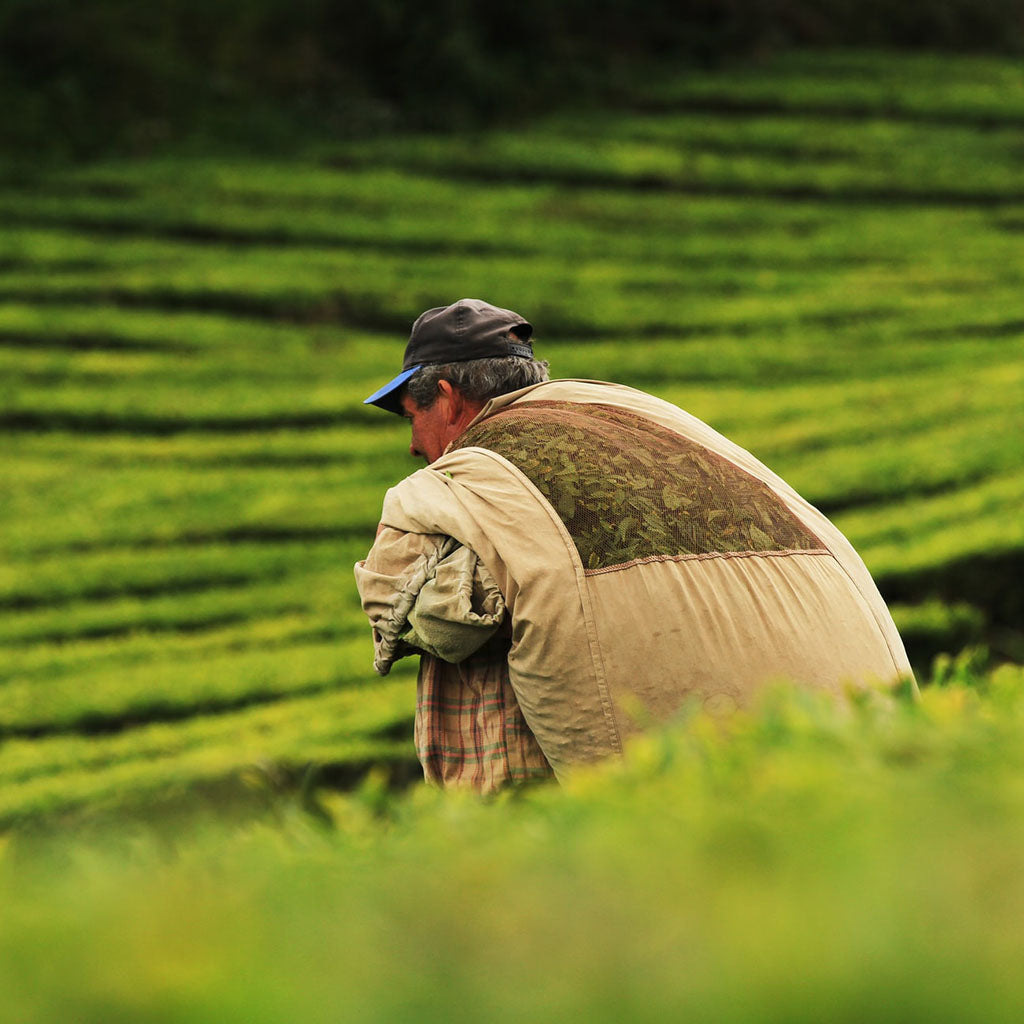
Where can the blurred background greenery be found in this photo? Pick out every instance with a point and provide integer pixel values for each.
(800, 221)
(85, 77)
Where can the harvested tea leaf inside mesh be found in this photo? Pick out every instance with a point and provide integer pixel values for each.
(627, 488)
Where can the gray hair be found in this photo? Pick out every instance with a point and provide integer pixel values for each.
(478, 379)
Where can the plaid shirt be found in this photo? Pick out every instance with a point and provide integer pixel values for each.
(470, 730)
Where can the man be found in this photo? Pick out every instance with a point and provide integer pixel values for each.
(579, 558)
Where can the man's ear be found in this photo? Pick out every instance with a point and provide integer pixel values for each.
(452, 398)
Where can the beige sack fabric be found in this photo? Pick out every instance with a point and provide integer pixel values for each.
(682, 570)
(457, 610)
(427, 593)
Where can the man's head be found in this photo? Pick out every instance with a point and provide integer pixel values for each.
(458, 358)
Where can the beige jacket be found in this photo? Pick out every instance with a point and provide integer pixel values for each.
(597, 648)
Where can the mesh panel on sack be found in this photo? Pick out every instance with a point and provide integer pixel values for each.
(628, 489)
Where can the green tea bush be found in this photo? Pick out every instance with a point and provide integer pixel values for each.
(802, 860)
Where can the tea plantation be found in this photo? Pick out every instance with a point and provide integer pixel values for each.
(821, 257)
(204, 812)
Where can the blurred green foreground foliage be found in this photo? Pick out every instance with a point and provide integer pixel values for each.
(802, 861)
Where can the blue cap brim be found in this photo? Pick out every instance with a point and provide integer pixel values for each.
(387, 397)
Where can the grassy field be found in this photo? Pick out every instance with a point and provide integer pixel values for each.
(820, 257)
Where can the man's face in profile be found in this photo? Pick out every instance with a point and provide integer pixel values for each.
(429, 434)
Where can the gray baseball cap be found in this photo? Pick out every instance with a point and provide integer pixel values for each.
(467, 329)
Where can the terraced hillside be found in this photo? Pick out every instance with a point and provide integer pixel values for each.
(821, 257)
